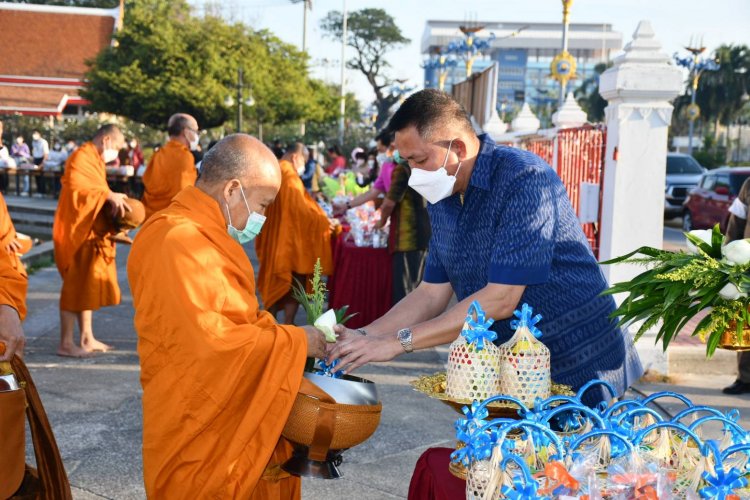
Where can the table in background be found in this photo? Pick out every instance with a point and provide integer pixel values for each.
(432, 480)
(361, 280)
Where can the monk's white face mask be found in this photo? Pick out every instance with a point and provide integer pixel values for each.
(252, 226)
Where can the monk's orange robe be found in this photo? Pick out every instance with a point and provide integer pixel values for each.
(295, 234)
(13, 279)
(84, 255)
(219, 375)
(169, 171)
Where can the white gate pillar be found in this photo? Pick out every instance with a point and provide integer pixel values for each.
(638, 88)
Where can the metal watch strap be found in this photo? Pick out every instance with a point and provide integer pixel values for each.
(404, 336)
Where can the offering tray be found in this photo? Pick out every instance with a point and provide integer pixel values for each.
(433, 386)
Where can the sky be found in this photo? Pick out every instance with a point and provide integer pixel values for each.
(674, 21)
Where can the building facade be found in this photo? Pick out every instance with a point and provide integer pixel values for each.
(523, 52)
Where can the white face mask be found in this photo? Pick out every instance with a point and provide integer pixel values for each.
(110, 155)
(434, 185)
(382, 158)
(194, 142)
(370, 164)
(36, 137)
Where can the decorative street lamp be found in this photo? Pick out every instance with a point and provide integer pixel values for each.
(249, 101)
(470, 47)
(563, 66)
(696, 66)
(441, 63)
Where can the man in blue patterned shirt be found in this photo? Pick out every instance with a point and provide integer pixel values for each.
(503, 233)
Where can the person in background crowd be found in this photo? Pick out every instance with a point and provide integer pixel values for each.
(364, 169)
(84, 254)
(737, 229)
(309, 171)
(383, 182)
(278, 149)
(172, 167)
(56, 162)
(409, 232)
(6, 161)
(40, 152)
(135, 153)
(70, 146)
(337, 163)
(22, 156)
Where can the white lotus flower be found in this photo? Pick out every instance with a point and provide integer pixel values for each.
(737, 252)
(703, 234)
(731, 292)
(325, 324)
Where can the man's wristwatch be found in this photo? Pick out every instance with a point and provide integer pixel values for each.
(404, 336)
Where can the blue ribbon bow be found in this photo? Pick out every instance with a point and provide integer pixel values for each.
(525, 319)
(475, 415)
(521, 490)
(478, 329)
(329, 370)
(479, 446)
(722, 483)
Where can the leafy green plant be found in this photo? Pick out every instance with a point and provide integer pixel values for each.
(679, 285)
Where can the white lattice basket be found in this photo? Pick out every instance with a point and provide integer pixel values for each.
(474, 361)
(525, 362)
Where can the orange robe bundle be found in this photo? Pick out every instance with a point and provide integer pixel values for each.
(13, 279)
(171, 169)
(219, 376)
(296, 233)
(84, 254)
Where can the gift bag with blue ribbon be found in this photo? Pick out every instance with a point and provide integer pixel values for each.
(474, 361)
(525, 360)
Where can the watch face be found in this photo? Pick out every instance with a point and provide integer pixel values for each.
(404, 335)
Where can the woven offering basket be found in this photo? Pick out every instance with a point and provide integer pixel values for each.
(474, 361)
(525, 368)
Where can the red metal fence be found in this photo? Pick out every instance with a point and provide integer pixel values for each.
(580, 158)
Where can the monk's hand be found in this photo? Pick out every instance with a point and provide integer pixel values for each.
(13, 247)
(354, 349)
(316, 342)
(11, 333)
(117, 200)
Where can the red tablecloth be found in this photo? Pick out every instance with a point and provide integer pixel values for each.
(362, 280)
(433, 481)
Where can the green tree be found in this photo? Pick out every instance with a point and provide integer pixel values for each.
(588, 97)
(166, 60)
(373, 34)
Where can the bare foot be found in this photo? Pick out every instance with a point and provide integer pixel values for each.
(73, 351)
(94, 345)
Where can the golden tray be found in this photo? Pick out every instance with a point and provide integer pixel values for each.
(433, 386)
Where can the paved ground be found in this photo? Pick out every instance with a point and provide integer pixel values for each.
(94, 406)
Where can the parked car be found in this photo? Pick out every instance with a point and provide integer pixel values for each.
(708, 204)
(683, 174)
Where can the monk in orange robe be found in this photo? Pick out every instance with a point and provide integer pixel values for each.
(296, 234)
(84, 253)
(172, 167)
(219, 375)
(13, 284)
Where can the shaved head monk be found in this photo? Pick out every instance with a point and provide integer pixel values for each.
(172, 167)
(84, 253)
(219, 375)
(13, 284)
(297, 233)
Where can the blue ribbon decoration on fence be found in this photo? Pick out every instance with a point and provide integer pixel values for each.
(478, 329)
(525, 319)
(722, 483)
